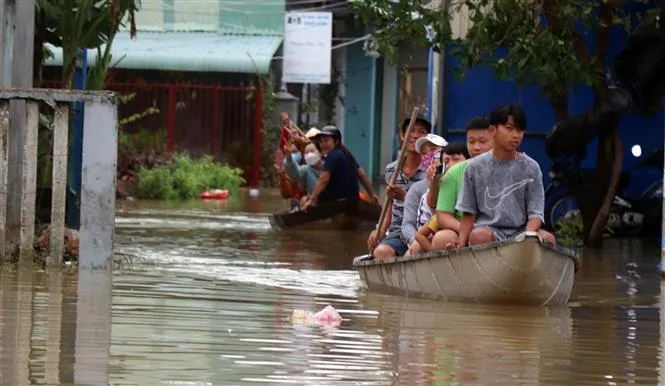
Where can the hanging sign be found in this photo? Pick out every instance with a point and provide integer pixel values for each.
(307, 47)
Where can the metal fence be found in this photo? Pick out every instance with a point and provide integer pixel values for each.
(199, 119)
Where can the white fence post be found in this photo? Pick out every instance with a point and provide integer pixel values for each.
(29, 181)
(59, 184)
(98, 184)
(4, 165)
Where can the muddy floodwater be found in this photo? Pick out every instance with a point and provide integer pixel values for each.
(210, 304)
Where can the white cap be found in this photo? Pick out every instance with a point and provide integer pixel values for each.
(311, 133)
(434, 139)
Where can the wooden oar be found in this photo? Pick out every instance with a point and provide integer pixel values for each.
(398, 169)
(292, 125)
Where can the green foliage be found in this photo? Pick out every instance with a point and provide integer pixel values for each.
(74, 24)
(133, 144)
(144, 146)
(569, 230)
(184, 178)
(506, 35)
(143, 140)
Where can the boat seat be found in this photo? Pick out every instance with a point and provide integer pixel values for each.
(362, 258)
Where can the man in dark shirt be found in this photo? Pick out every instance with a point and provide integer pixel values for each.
(339, 177)
(313, 135)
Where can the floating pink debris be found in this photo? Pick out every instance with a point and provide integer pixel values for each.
(328, 317)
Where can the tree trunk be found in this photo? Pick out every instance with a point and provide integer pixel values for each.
(600, 221)
(560, 106)
(595, 204)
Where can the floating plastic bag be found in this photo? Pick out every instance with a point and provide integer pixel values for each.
(328, 317)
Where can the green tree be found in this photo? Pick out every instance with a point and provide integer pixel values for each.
(555, 44)
(74, 24)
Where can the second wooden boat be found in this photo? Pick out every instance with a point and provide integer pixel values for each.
(336, 215)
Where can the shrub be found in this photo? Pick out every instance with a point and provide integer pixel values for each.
(569, 230)
(184, 178)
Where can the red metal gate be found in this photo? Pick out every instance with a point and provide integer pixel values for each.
(222, 121)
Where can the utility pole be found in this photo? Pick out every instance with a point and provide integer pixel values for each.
(17, 18)
(434, 77)
(7, 14)
(74, 161)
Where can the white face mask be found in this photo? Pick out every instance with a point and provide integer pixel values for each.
(312, 158)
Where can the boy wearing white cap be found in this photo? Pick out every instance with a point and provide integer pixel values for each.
(416, 210)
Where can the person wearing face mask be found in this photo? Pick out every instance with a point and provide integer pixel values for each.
(290, 184)
(430, 148)
(293, 151)
(308, 172)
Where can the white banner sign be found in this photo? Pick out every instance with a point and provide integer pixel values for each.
(307, 44)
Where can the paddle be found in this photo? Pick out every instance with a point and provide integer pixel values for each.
(401, 157)
(292, 125)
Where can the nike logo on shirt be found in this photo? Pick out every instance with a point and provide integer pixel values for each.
(505, 192)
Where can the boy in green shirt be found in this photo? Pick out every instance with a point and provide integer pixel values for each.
(478, 141)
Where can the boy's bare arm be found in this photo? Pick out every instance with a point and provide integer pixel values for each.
(422, 237)
(447, 221)
(466, 225)
(432, 195)
(534, 224)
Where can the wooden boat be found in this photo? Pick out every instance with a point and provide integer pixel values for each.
(520, 271)
(336, 215)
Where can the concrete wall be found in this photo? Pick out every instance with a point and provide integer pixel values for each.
(389, 118)
(376, 99)
(360, 85)
(340, 111)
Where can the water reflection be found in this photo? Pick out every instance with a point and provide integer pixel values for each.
(212, 307)
(16, 322)
(55, 328)
(471, 344)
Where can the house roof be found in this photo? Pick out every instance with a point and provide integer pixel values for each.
(188, 51)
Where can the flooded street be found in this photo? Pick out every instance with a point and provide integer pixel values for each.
(211, 305)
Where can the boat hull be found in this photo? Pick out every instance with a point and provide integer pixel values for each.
(514, 272)
(338, 215)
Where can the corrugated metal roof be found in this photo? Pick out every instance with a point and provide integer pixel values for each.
(188, 51)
